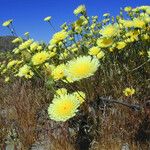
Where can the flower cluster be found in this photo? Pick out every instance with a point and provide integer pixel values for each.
(85, 54)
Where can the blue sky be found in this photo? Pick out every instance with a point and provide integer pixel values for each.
(28, 14)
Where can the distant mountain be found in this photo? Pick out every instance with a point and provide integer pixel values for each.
(6, 43)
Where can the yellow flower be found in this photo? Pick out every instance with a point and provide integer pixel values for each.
(47, 18)
(127, 8)
(63, 107)
(3, 71)
(51, 47)
(129, 91)
(145, 17)
(78, 29)
(109, 30)
(104, 42)
(93, 26)
(52, 54)
(138, 23)
(61, 91)
(80, 96)
(144, 7)
(48, 69)
(85, 20)
(59, 36)
(39, 48)
(79, 9)
(81, 67)
(40, 58)
(17, 40)
(26, 33)
(121, 45)
(34, 46)
(7, 23)
(106, 15)
(26, 55)
(63, 55)
(25, 71)
(94, 50)
(148, 10)
(12, 63)
(7, 79)
(78, 23)
(26, 44)
(100, 55)
(58, 72)
(75, 49)
(141, 53)
(132, 35)
(105, 20)
(127, 23)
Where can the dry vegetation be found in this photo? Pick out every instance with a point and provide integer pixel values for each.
(114, 112)
(24, 118)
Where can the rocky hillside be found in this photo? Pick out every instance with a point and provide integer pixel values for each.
(6, 44)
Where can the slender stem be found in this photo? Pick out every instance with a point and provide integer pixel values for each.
(11, 30)
(139, 66)
(14, 31)
(74, 88)
(28, 37)
(38, 74)
(44, 80)
(72, 54)
(51, 25)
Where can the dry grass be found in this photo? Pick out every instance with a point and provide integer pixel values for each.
(24, 109)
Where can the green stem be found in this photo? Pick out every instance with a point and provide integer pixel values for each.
(51, 25)
(74, 88)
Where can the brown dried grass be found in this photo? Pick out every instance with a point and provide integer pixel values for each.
(24, 106)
